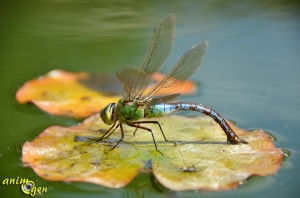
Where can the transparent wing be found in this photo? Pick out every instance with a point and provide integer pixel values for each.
(161, 45)
(130, 83)
(181, 71)
(135, 82)
(161, 99)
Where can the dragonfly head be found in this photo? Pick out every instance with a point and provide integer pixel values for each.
(108, 114)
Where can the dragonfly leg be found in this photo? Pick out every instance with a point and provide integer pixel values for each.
(136, 125)
(135, 130)
(112, 131)
(109, 132)
(153, 122)
(122, 136)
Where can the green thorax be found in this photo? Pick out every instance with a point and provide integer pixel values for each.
(130, 110)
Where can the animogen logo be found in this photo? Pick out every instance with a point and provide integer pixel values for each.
(27, 187)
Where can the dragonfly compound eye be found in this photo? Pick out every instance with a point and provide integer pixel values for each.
(107, 114)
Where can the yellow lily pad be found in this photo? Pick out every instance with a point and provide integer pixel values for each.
(64, 93)
(201, 160)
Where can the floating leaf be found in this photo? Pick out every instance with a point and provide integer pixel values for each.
(73, 94)
(201, 159)
(60, 93)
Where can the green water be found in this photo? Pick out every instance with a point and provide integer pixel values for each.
(251, 74)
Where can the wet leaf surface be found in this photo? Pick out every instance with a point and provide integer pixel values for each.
(201, 160)
(77, 95)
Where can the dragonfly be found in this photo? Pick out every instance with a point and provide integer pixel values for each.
(139, 101)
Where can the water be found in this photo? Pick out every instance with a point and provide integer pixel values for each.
(250, 74)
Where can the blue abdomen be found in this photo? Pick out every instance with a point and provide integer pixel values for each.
(160, 110)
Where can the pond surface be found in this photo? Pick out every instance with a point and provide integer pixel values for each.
(251, 74)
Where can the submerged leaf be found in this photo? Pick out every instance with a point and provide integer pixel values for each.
(201, 159)
(77, 95)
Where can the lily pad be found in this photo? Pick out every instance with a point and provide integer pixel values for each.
(201, 160)
(77, 95)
